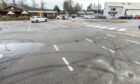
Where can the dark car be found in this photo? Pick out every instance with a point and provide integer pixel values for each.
(74, 16)
(125, 17)
(100, 16)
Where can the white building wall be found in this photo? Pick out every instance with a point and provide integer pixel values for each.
(122, 9)
(133, 12)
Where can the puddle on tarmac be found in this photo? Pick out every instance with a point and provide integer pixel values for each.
(18, 47)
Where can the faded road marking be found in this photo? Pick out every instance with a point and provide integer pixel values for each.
(110, 35)
(112, 51)
(90, 25)
(123, 29)
(56, 47)
(29, 29)
(128, 34)
(67, 63)
(133, 41)
(104, 27)
(113, 28)
(137, 62)
(97, 26)
(1, 55)
(89, 40)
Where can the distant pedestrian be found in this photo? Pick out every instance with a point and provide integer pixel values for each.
(139, 28)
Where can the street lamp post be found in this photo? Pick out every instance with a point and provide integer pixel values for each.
(98, 7)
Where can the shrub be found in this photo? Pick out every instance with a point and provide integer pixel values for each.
(24, 17)
(7, 18)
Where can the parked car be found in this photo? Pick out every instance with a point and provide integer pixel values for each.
(73, 16)
(137, 17)
(38, 19)
(100, 16)
(125, 17)
(89, 17)
(65, 17)
(59, 17)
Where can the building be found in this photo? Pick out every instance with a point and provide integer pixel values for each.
(48, 14)
(13, 9)
(17, 10)
(116, 9)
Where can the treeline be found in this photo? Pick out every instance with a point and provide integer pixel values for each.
(70, 7)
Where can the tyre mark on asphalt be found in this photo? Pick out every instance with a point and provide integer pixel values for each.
(128, 34)
(67, 64)
(5, 42)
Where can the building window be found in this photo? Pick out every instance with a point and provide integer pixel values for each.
(113, 9)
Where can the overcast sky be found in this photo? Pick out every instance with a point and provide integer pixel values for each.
(50, 3)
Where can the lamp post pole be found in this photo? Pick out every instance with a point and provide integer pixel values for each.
(98, 6)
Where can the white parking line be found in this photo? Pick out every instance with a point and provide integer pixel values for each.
(97, 26)
(112, 51)
(133, 41)
(123, 29)
(110, 35)
(29, 29)
(67, 63)
(56, 48)
(1, 55)
(137, 62)
(89, 40)
(90, 25)
(113, 28)
(104, 27)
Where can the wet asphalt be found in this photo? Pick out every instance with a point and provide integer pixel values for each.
(56, 52)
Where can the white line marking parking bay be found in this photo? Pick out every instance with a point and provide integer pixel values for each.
(67, 63)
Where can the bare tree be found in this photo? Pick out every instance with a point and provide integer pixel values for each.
(78, 7)
(67, 6)
(90, 7)
(3, 4)
(22, 2)
(14, 3)
(34, 4)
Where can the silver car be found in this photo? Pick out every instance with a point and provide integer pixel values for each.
(38, 19)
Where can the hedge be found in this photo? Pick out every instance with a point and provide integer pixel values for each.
(7, 18)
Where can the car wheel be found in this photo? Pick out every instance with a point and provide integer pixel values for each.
(37, 21)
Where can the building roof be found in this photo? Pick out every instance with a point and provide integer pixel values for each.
(13, 9)
(29, 8)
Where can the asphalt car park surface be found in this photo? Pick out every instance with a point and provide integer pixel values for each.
(66, 52)
(132, 24)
